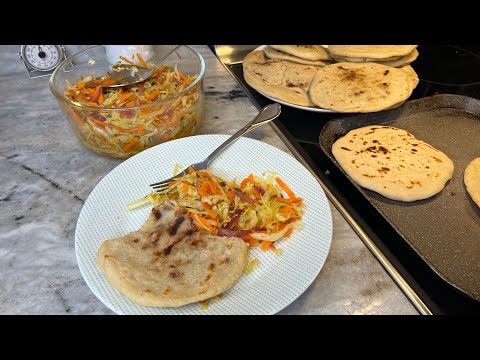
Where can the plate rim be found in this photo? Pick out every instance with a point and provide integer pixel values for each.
(112, 172)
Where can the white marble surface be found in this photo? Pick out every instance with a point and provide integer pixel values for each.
(46, 175)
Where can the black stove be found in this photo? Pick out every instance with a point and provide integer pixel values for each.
(442, 69)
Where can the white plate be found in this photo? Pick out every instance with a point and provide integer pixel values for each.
(307, 108)
(277, 281)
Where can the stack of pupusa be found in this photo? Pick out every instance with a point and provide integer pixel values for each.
(368, 78)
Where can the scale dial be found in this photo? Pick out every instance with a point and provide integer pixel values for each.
(41, 57)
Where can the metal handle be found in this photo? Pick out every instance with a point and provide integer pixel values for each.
(268, 113)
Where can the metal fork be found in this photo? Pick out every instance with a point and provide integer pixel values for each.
(267, 114)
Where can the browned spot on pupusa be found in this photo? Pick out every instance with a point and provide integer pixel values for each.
(346, 149)
(173, 230)
(168, 250)
(198, 243)
(174, 274)
(167, 291)
(383, 149)
(157, 213)
(205, 280)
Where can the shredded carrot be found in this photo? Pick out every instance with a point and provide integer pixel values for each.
(190, 170)
(177, 182)
(131, 144)
(203, 223)
(126, 60)
(124, 97)
(244, 183)
(203, 173)
(289, 201)
(183, 77)
(253, 242)
(140, 58)
(209, 211)
(272, 247)
(285, 187)
(80, 85)
(185, 187)
(109, 82)
(265, 245)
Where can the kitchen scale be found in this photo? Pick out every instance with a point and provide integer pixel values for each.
(41, 60)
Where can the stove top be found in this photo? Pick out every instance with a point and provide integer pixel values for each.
(442, 69)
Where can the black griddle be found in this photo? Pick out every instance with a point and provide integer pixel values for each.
(302, 129)
(444, 230)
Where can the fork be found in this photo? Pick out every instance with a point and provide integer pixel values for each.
(268, 113)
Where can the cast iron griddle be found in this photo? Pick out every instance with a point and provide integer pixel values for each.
(444, 229)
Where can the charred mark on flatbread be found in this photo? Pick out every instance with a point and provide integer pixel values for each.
(157, 213)
(174, 274)
(205, 280)
(386, 72)
(168, 250)
(344, 148)
(173, 230)
(167, 291)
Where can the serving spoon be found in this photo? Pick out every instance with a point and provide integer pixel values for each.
(133, 74)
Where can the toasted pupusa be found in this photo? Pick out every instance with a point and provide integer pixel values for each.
(471, 178)
(399, 62)
(309, 52)
(271, 53)
(283, 80)
(393, 163)
(366, 87)
(371, 52)
(168, 264)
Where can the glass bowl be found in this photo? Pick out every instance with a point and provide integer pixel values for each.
(125, 131)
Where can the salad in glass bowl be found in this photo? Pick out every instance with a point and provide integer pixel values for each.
(122, 121)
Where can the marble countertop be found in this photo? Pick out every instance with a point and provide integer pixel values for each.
(47, 174)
